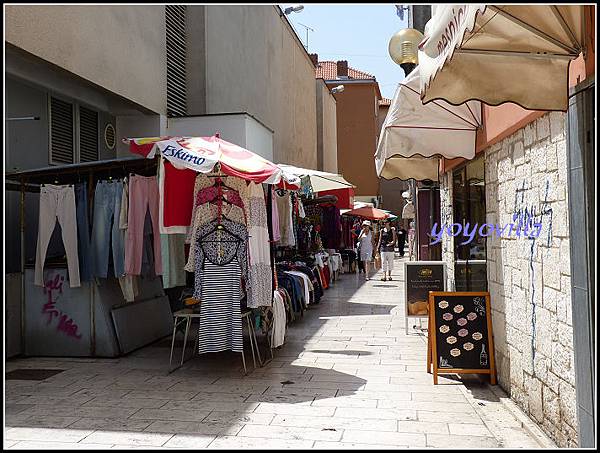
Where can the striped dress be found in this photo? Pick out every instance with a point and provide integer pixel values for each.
(221, 263)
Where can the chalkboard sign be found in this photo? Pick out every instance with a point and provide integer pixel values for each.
(422, 277)
(460, 336)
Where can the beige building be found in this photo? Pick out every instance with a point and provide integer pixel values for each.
(81, 78)
(326, 129)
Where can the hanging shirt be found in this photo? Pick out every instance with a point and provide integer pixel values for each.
(286, 223)
(279, 320)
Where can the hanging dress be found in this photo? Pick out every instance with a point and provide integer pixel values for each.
(221, 263)
(260, 283)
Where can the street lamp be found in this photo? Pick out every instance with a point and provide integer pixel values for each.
(337, 89)
(293, 9)
(403, 48)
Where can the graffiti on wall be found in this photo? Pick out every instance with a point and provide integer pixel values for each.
(65, 324)
(525, 216)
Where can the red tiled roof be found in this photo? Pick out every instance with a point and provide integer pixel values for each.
(328, 70)
(385, 101)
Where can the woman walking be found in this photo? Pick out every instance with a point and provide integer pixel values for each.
(385, 246)
(367, 242)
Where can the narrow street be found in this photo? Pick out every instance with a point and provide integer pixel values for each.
(347, 377)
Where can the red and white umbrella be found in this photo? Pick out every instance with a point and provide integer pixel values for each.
(203, 153)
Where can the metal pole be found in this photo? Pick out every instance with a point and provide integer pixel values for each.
(22, 220)
(92, 286)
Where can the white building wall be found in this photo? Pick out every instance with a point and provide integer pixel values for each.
(529, 279)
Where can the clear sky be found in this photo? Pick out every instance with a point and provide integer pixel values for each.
(359, 33)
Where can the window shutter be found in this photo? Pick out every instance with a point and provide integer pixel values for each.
(88, 135)
(61, 132)
(176, 60)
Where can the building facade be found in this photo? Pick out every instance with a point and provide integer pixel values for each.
(520, 178)
(357, 114)
(81, 78)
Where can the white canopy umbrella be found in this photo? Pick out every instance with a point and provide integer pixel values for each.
(414, 136)
(501, 53)
(319, 180)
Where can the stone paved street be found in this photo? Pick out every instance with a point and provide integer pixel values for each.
(347, 377)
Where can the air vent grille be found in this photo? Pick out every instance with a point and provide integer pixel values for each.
(61, 132)
(176, 60)
(88, 135)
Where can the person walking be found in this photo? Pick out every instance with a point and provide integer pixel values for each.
(366, 244)
(401, 234)
(385, 246)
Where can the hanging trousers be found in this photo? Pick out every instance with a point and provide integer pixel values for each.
(106, 233)
(57, 203)
(83, 232)
(143, 195)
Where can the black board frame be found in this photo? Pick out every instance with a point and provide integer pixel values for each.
(431, 338)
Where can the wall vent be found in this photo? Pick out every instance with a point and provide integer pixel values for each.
(88, 135)
(61, 132)
(176, 60)
(110, 136)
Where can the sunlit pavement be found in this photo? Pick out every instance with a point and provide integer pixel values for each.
(347, 377)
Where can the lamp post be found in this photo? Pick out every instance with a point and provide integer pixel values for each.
(403, 47)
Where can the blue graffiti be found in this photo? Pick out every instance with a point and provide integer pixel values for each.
(527, 216)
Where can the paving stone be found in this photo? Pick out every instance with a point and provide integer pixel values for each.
(322, 445)
(162, 394)
(342, 401)
(469, 429)
(287, 432)
(111, 424)
(384, 438)
(381, 414)
(450, 441)
(50, 445)
(251, 443)
(171, 414)
(43, 434)
(126, 402)
(225, 406)
(294, 409)
(337, 422)
(194, 441)
(187, 427)
(127, 438)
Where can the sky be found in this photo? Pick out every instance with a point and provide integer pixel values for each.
(359, 33)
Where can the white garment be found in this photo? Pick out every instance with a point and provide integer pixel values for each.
(408, 212)
(306, 284)
(130, 286)
(124, 206)
(387, 259)
(57, 203)
(260, 285)
(286, 223)
(278, 332)
(301, 212)
(366, 246)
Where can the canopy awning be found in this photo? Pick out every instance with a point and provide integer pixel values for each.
(203, 153)
(368, 212)
(319, 180)
(416, 131)
(501, 53)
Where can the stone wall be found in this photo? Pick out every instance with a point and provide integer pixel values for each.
(446, 218)
(529, 277)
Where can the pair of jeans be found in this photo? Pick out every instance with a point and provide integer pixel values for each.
(83, 232)
(143, 196)
(57, 203)
(106, 231)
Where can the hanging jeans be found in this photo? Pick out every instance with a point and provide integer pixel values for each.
(106, 232)
(143, 195)
(57, 203)
(83, 232)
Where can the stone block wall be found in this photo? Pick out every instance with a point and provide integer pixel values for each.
(446, 218)
(529, 277)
